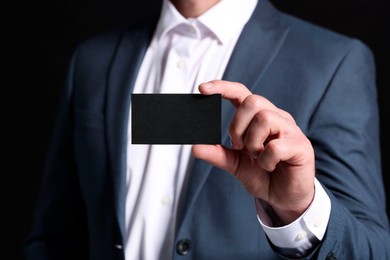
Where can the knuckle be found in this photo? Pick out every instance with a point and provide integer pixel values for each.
(273, 148)
(287, 115)
(252, 101)
(262, 117)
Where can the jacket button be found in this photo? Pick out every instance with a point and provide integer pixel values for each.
(183, 246)
(331, 256)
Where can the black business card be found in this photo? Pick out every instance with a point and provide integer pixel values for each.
(176, 119)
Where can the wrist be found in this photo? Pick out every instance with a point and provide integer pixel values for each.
(292, 210)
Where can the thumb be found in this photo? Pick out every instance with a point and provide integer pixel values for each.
(217, 155)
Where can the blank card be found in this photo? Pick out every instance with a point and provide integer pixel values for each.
(176, 119)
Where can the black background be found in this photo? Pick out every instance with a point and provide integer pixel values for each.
(51, 30)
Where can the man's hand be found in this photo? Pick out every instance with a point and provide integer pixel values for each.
(271, 156)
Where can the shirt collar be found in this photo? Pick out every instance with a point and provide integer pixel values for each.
(224, 20)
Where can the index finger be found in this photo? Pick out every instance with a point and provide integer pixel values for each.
(237, 93)
(233, 91)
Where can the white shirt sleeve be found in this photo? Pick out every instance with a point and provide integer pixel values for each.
(297, 238)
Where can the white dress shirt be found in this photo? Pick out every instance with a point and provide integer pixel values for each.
(183, 53)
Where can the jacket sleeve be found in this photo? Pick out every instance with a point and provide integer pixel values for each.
(59, 222)
(345, 133)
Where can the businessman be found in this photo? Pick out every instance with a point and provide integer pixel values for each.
(298, 173)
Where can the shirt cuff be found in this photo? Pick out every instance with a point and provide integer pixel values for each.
(305, 232)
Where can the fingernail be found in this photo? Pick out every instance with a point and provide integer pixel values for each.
(234, 145)
(207, 85)
(231, 141)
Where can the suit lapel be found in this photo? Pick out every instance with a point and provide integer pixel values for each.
(122, 76)
(255, 50)
(257, 46)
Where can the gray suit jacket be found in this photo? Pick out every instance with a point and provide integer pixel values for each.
(325, 80)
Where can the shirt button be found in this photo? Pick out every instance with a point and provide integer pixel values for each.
(118, 247)
(165, 200)
(317, 222)
(301, 235)
(183, 246)
(181, 64)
